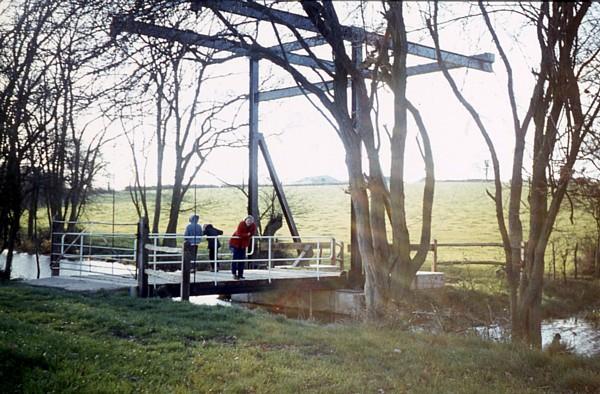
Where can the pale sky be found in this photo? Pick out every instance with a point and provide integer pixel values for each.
(303, 144)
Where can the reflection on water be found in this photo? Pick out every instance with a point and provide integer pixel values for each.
(24, 266)
(576, 333)
(579, 335)
(290, 313)
(299, 313)
(213, 299)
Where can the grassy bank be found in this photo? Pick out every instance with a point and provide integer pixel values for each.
(58, 341)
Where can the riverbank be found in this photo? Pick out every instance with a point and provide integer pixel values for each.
(59, 341)
(474, 296)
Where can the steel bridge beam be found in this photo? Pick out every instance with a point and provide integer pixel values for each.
(288, 47)
(285, 207)
(293, 91)
(187, 37)
(350, 33)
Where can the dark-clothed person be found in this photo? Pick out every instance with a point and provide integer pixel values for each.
(239, 243)
(213, 243)
(192, 237)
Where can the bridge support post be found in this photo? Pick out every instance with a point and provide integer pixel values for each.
(253, 141)
(185, 273)
(141, 256)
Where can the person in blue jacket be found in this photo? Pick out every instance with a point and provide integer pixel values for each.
(192, 237)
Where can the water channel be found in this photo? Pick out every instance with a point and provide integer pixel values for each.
(580, 335)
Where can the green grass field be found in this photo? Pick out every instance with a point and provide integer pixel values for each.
(58, 341)
(462, 213)
(55, 341)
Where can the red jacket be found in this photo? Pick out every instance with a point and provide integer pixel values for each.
(244, 233)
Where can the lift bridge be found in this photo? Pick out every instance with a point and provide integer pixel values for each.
(92, 261)
(294, 53)
(276, 261)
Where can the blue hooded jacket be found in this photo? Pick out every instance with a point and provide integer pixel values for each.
(193, 231)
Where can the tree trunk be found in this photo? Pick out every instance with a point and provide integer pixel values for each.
(160, 148)
(176, 200)
(157, 204)
(273, 225)
(30, 215)
(527, 326)
(376, 297)
(12, 240)
(13, 201)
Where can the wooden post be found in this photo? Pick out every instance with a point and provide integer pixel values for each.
(185, 274)
(341, 255)
(435, 256)
(575, 258)
(333, 256)
(55, 239)
(141, 256)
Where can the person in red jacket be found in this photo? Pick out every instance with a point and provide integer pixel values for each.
(239, 243)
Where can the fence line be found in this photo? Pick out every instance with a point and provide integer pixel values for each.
(435, 245)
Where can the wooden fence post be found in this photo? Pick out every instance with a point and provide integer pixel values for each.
(341, 255)
(333, 253)
(141, 256)
(575, 258)
(434, 264)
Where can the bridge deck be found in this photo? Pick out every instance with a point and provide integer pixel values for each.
(202, 282)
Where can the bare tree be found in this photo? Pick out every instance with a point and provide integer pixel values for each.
(390, 268)
(20, 83)
(560, 123)
(175, 75)
(51, 60)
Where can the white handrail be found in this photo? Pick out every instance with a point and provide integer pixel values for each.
(159, 253)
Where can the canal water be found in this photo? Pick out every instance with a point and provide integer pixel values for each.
(580, 335)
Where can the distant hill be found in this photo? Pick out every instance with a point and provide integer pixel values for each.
(318, 180)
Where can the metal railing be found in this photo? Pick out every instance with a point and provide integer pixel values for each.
(168, 256)
(84, 253)
(88, 253)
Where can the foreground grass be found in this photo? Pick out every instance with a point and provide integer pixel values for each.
(57, 341)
